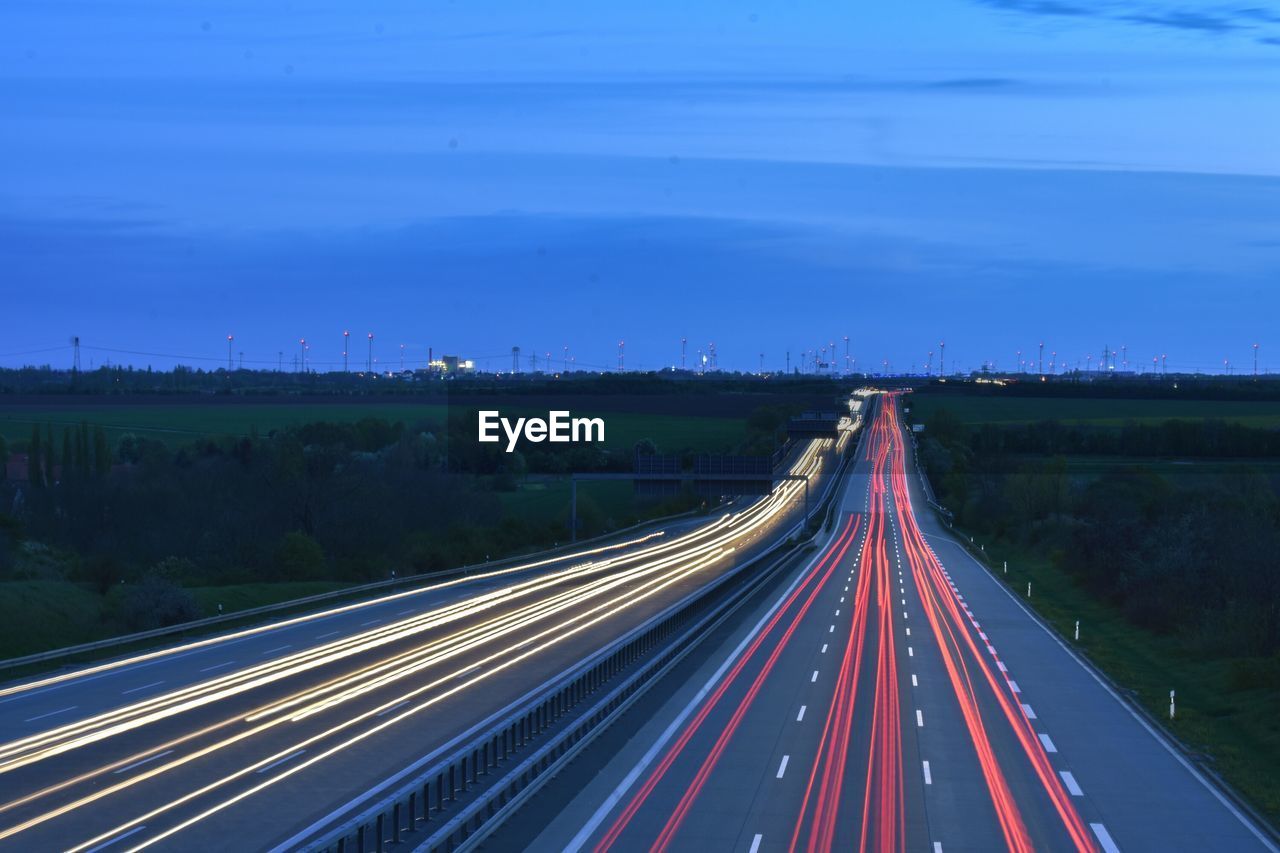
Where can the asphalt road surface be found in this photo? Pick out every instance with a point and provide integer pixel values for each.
(256, 739)
(896, 696)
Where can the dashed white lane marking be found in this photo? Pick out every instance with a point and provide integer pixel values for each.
(914, 683)
(831, 630)
(129, 767)
(755, 843)
(280, 761)
(1013, 685)
(330, 634)
(1048, 743)
(919, 719)
(983, 636)
(370, 622)
(782, 768)
(1026, 709)
(824, 648)
(217, 666)
(1069, 779)
(1104, 838)
(937, 847)
(837, 611)
(910, 652)
(814, 677)
(908, 632)
(277, 649)
(1001, 666)
(407, 612)
(842, 599)
(991, 649)
(800, 716)
(904, 614)
(928, 777)
(121, 837)
(143, 687)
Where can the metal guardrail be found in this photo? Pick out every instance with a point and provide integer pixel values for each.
(318, 598)
(564, 716)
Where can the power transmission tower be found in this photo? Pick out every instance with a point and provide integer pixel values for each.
(515, 360)
(75, 354)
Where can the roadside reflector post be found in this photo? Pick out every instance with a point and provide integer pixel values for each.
(1028, 589)
(1006, 567)
(1172, 708)
(1077, 629)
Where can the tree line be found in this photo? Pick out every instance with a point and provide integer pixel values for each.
(1191, 554)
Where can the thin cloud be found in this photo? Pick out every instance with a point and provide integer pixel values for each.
(1212, 20)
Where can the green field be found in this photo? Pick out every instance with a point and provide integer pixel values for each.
(993, 408)
(179, 424)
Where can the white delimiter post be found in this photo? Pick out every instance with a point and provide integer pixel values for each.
(1171, 705)
(1077, 629)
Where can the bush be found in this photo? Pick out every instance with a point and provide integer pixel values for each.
(156, 602)
(298, 557)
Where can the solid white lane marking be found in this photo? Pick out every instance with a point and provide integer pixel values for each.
(800, 716)
(815, 676)
(1069, 779)
(604, 809)
(928, 777)
(919, 719)
(129, 767)
(280, 761)
(1158, 736)
(330, 634)
(1026, 709)
(1048, 743)
(50, 714)
(217, 666)
(782, 768)
(121, 837)
(143, 687)
(914, 683)
(755, 843)
(1104, 838)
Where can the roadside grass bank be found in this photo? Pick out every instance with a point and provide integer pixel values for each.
(1226, 707)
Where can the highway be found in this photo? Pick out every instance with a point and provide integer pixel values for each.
(894, 696)
(260, 738)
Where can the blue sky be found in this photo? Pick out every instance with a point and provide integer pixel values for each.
(769, 176)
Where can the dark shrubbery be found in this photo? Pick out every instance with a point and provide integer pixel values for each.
(1192, 556)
